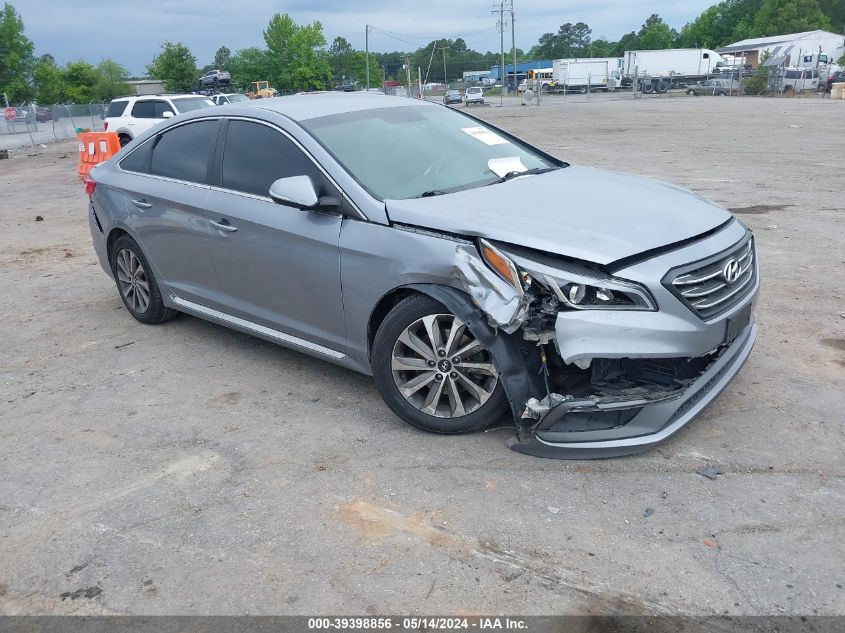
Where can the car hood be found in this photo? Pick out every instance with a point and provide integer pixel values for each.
(579, 212)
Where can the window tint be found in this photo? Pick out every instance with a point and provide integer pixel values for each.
(792, 74)
(255, 156)
(139, 160)
(116, 108)
(184, 152)
(161, 107)
(144, 110)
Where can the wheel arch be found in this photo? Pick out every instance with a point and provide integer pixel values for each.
(382, 308)
(114, 234)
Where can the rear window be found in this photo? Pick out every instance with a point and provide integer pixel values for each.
(116, 108)
(792, 74)
(192, 103)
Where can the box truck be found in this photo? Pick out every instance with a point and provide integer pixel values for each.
(585, 74)
(660, 70)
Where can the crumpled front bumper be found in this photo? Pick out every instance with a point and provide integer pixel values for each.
(652, 424)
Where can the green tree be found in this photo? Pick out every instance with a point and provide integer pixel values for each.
(111, 81)
(758, 82)
(571, 40)
(248, 65)
(341, 56)
(835, 11)
(49, 80)
(310, 68)
(628, 42)
(277, 36)
(222, 58)
(601, 48)
(176, 66)
(723, 23)
(80, 78)
(297, 54)
(16, 62)
(776, 17)
(655, 34)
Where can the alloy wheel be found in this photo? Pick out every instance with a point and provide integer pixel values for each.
(132, 278)
(441, 369)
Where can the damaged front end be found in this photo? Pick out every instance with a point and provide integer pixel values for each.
(541, 317)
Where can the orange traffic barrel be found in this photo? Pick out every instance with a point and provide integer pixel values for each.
(95, 148)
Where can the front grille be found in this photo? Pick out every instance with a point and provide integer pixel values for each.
(709, 288)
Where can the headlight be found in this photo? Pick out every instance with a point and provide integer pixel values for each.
(578, 294)
(576, 287)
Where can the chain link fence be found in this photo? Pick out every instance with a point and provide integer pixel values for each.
(31, 125)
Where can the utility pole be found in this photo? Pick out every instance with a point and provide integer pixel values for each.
(408, 71)
(367, 53)
(503, 74)
(513, 45)
(445, 78)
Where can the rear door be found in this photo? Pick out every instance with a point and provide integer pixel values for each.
(278, 266)
(167, 188)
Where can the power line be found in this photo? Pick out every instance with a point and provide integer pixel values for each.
(420, 44)
(434, 37)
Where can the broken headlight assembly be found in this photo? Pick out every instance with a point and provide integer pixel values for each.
(575, 287)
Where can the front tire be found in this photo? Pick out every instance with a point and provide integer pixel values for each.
(137, 284)
(432, 372)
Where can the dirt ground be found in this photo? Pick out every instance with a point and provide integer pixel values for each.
(186, 468)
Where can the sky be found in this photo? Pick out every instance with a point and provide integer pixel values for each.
(131, 32)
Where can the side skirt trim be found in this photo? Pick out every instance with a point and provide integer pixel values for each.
(249, 326)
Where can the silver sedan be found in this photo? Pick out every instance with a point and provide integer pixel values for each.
(472, 275)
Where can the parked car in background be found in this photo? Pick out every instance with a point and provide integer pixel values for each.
(474, 96)
(223, 99)
(345, 88)
(214, 78)
(452, 273)
(799, 80)
(452, 96)
(43, 114)
(131, 116)
(835, 78)
(720, 87)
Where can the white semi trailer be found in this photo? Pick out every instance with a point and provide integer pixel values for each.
(660, 70)
(585, 74)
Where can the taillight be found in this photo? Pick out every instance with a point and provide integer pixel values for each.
(90, 185)
(105, 125)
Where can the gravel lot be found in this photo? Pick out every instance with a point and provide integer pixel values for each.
(186, 468)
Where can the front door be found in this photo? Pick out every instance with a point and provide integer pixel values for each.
(278, 266)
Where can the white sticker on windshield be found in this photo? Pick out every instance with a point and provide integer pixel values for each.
(484, 135)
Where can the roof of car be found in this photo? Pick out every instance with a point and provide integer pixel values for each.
(310, 106)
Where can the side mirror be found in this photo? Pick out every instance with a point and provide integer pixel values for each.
(295, 191)
(167, 114)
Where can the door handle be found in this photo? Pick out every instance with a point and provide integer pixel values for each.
(223, 225)
(141, 204)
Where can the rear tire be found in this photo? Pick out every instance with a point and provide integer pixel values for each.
(460, 397)
(124, 139)
(136, 283)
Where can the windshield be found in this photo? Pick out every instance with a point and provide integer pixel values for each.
(411, 151)
(189, 104)
(236, 98)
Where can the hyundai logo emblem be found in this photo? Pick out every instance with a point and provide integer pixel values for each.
(731, 270)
